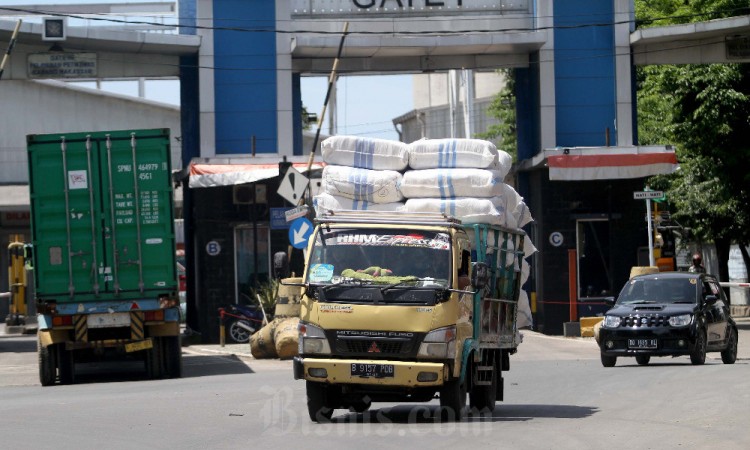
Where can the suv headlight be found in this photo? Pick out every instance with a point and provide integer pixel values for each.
(312, 340)
(611, 321)
(682, 320)
(439, 344)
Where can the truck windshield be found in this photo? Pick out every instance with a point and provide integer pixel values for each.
(401, 257)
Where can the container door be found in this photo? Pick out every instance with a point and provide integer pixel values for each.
(65, 196)
(137, 210)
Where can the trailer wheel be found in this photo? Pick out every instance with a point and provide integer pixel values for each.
(317, 402)
(172, 355)
(153, 359)
(66, 365)
(453, 400)
(47, 365)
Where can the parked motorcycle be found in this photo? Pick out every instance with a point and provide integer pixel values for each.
(242, 321)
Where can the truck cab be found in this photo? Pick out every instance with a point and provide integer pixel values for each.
(404, 306)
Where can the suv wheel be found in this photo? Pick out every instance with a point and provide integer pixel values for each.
(729, 355)
(642, 360)
(608, 361)
(698, 355)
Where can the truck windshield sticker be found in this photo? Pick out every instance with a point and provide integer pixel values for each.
(321, 272)
(439, 241)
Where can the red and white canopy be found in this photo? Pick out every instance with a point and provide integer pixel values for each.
(212, 174)
(607, 163)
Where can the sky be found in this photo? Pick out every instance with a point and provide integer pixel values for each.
(366, 105)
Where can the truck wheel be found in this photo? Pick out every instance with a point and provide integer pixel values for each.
(172, 354)
(453, 400)
(66, 365)
(317, 402)
(482, 398)
(153, 359)
(47, 365)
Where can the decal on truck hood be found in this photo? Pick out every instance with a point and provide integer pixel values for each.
(336, 309)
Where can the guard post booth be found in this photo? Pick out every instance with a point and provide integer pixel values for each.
(238, 224)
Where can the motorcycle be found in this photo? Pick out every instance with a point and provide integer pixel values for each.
(242, 321)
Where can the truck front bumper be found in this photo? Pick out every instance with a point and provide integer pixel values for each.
(340, 371)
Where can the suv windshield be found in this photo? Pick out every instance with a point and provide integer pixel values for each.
(399, 257)
(659, 290)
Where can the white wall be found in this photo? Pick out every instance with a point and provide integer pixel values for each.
(40, 107)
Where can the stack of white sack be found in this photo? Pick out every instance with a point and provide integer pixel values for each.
(464, 178)
(361, 174)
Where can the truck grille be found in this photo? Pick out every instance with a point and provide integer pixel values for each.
(375, 347)
(648, 320)
(387, 348)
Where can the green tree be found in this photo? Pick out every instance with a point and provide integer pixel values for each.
(503, 108)
(705, 111)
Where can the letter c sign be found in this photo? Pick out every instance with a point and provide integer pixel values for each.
(556, 239)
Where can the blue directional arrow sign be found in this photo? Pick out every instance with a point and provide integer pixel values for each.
(299, 232)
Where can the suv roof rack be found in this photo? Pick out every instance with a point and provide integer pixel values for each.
(388, 217)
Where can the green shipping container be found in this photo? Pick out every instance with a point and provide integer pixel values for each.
(102, 216)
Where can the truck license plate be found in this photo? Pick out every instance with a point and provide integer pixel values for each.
(642, 343)
(372, 370)
(108, 320)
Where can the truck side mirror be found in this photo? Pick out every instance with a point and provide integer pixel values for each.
(480, 275)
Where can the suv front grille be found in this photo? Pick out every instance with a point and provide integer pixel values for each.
(648, 320)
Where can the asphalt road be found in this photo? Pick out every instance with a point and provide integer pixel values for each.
(558, 396)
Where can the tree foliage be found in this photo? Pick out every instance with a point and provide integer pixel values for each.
(704, 110)
(503, 108)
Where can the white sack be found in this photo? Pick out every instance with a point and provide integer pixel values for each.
(528, 248)
(503, 164)
(447, 183)
(324, 202)
(517, 212)
(524, 319)
(469, 210)
(452, 153)
(365, 153)
(375, 186)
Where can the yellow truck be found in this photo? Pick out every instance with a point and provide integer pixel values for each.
(399, 307)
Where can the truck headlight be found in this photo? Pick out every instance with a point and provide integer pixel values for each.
(682, 320)
(439, 344)
(611, 321)
(312, 340)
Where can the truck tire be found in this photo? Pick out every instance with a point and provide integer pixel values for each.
(453, 400)
(153, 359)
(66, 365)
(172, 354)
(482, 398)
(47, 365)
(317, 402)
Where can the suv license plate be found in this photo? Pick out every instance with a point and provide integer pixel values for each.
(372, 370)
(642, 343)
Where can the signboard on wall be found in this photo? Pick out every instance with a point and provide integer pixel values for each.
(62, 65)
(373, 8)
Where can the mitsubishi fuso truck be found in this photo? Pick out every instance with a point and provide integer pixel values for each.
(404, 307)
(103, 245)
